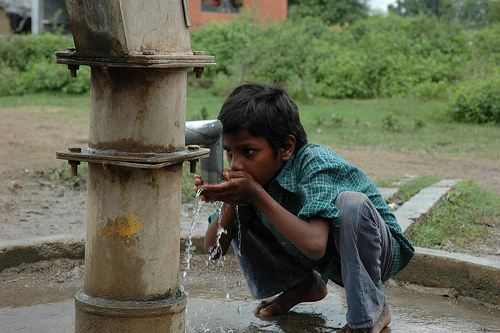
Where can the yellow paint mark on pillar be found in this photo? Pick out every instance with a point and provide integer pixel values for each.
(124, 226)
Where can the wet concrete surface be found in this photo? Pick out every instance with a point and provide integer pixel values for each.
(219, 301)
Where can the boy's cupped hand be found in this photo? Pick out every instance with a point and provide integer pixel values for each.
(238, 187)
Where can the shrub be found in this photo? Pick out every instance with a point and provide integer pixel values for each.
(28, 65)
(21, 51)
(375, 57)
(484, 49)
(229, 41)
(476, 101)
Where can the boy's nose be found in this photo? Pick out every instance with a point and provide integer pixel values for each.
(236, 164)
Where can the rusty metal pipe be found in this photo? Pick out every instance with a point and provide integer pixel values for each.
(208, 134)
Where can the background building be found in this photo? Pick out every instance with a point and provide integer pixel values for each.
(35, 16)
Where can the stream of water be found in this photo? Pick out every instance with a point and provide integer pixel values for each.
(198, 204)
(216, 251)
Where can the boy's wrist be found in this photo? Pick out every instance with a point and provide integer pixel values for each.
(258, 198)
(228, 209)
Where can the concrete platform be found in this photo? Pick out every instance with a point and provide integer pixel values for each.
(470, 276)
(221, 303)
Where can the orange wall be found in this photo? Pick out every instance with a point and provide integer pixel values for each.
(268, 9)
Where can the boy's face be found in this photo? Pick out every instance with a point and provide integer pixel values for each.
(253, 155)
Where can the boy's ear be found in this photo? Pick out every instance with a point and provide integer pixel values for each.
(287, 151)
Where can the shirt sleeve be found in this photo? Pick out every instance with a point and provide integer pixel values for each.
(318, 189)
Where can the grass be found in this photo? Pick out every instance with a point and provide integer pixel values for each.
(412, 187)
(408, 188)
(70, 108)
(406, 125)
(63, 173)
(199, 100)
(461, 218)
(386, 182)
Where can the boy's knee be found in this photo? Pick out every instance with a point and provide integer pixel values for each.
(350, 202)
(352, 206)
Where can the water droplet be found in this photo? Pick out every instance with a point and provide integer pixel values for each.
(198, 203)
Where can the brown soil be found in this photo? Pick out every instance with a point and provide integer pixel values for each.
(32, 204)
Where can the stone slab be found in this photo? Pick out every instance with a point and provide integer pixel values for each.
(470, 276)
(422, 203)
(388, 192)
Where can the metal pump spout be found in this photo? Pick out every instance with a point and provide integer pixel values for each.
(208, 134)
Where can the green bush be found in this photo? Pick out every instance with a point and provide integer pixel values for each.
(284, 55)
(376, 57)
(477, 101)
(385, 57)
(20, 51)
(229, 41)
(27, 65)
(484, 49)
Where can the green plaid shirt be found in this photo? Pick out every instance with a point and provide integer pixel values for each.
(307, 186)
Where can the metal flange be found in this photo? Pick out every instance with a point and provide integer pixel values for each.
(147, 60)
(145, 160)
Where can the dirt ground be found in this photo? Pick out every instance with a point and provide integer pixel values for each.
(34, 205)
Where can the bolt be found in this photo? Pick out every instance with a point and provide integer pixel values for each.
(198, 71)
(73, 69)
(74, 167)
(75, 149)
(193, 147)
(71, 49)
(192, 166)
(148, 52)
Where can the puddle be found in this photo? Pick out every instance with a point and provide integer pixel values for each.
(236, 315)
(20, 296)
(412, 312)
(222, 303)
(41, 318)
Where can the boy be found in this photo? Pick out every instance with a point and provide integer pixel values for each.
(304, 215)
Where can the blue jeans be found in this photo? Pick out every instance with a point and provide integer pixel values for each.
(365, 247)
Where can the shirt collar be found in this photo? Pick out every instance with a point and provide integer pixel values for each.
(287, 178)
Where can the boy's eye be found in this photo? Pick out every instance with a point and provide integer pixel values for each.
(248, 151)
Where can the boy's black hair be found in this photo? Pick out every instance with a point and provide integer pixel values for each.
(263, 110)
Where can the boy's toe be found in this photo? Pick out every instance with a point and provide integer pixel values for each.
(268, 310)
(261, 306)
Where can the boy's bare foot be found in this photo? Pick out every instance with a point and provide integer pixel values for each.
(382, 322)
(311, 290)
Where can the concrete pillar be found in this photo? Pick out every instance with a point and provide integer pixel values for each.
(133, 214)
(139, 53)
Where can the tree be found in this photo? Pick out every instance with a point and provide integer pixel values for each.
(470, 13)
(416, 7)
(329, 11)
